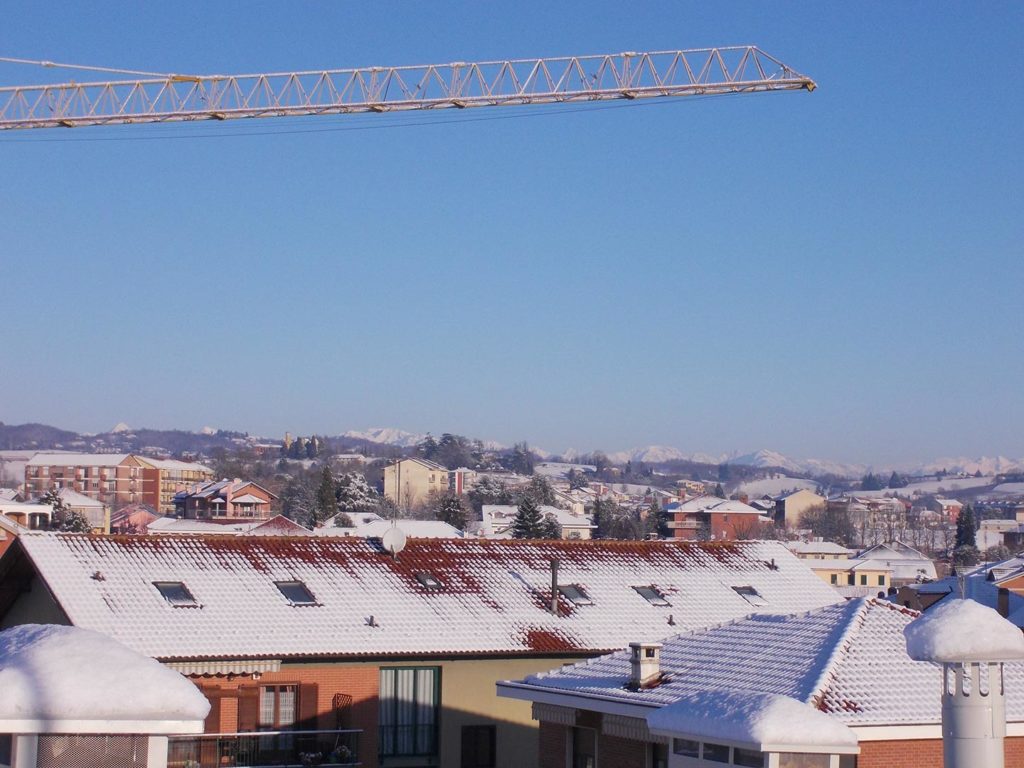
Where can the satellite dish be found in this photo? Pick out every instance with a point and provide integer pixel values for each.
(393, 540)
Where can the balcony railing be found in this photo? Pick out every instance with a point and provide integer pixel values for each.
(330, 749)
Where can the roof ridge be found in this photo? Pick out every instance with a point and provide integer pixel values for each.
(853, 623)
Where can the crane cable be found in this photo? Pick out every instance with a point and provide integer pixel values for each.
(84, 67)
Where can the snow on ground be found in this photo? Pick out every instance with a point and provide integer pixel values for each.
(948, 485)
(753, 718)
(963, 630)
(1008, 489)
(560, 469)
(774, 486)
(52, 672)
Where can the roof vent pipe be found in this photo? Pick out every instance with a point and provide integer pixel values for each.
(554, 586)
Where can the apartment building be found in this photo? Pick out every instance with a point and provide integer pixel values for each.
(113, 478)
(411, 481)
(176, 476)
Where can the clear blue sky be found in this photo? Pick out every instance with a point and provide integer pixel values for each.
(835, 274)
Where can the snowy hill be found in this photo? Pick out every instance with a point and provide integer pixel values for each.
(995, 465)
(387, 436)
(775, 486)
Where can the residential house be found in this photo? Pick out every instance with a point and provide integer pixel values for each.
(176, 476)
(371, 525)
(999, 586)
(134, 518)
(95, 512)
(948, 509)
(10, 494)
(853, 577)
(818, 550)
(714, 518)
(326, 632)
(838, 679)
(497, 520)
(224, 501)
(409, 482)
(791, 507)
(908, 564)
(29, 515)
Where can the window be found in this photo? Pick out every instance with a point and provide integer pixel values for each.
(716, 753)
(657, 756)
(863, 579)
(881, 581)
(652, 595)
(751, 595)
(575, 594)
(798, 760)
(429, 580)
(409, 706)
(277, 707)
(176, 593)
(686, 747)
(296, 592)
(834, 578)
(584, 748)
(748, 757)
(478, 743)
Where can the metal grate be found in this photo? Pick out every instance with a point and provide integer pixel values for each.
(88, 751)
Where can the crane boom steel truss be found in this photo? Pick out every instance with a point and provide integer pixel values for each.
(175, 98)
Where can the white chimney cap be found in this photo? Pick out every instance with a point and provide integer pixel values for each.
(963, 630)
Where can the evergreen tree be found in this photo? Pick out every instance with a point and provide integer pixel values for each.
(870, 482)
(488, 491)
(354, 494)
(540, 490)
(897, 481)
(658, 520)
(965, 527)
(719, 490)
(62, 517)
(576, 479)
(529, 523)
(326, 501)
(312, 447)
(451, 509)
(427, 447)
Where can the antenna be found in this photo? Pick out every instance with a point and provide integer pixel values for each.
(393, 540)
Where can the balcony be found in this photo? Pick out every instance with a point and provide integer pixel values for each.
(330, 749)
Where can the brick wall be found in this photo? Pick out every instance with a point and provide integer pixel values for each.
(923, 753)
(357, 684)
(552, 745)
(621, 753)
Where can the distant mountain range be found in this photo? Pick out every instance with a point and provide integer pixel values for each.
(124, 438)
(767, 459)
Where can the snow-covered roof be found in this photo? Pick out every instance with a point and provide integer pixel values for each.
(375, 528)
(715, 504)
(73, 498)
(963, 630)
(848, 660)
(906, 562)
(176, 465)
(817, 548)
(764, 721)
(178, 525)
(279, 525)
(51, 675)
(77, 459)
(494, 596)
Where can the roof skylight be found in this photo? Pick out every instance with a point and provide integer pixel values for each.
(429, 580)
(176, 593)
(652, 595)
(296, 593)
(751, 595)
(575, 594)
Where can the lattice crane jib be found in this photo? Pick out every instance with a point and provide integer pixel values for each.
(177, 98)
